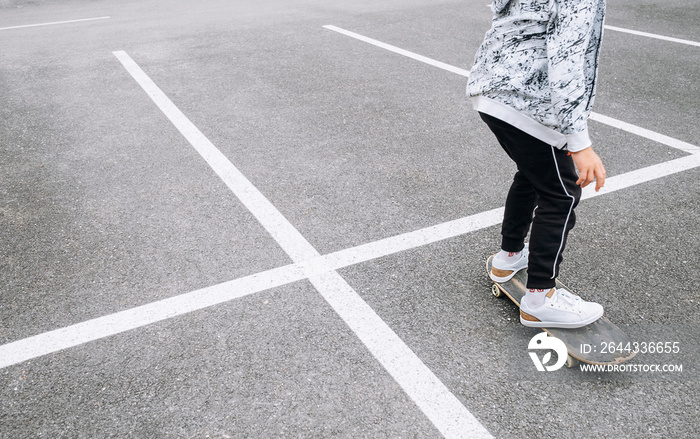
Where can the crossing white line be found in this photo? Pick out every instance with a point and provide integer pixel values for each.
(54, 341)
(633, 129)
(53, 23)
(105, 326)
(655, 36)
(441, 407)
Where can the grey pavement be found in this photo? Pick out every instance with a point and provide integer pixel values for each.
(106, 207)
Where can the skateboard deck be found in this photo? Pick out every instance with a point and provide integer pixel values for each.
(586, 344)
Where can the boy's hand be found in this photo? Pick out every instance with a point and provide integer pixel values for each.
(590, 168)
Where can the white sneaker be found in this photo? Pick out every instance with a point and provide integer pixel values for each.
(561, 309)
(503, 271)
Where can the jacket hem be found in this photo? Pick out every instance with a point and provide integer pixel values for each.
(520, 121)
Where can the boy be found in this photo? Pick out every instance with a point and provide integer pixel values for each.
(533, 83)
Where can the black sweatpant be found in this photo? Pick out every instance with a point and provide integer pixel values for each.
(544, 186)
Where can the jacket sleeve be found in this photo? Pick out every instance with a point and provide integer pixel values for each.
(572, 50)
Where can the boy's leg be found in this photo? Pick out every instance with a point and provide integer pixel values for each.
(521, 199)
(520, 204)
(554, 218)
(551, 174)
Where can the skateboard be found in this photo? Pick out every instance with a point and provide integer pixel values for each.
(596, 343)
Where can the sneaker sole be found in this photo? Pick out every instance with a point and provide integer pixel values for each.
(540, 324)
(502, 276)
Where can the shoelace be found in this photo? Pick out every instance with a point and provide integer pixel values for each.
(570, 300)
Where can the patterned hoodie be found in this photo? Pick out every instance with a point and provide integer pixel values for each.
(537, 68)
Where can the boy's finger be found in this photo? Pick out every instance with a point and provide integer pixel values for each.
(584, 179)
(600, 180)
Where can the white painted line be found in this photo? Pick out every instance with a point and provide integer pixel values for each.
(411, 240)
(53, 22)
(658, 37)
(648, 134)
(642, 132)
(434, 399)
(101, 327)
(272, 220)
(95, 329)
(451, 229)
(442, 408)
(400, 51)
(643, 175)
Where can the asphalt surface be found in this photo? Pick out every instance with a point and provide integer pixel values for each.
(105, 207)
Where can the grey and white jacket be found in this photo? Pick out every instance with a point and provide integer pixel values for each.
(537, 68)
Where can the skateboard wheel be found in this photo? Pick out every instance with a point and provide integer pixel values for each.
(571, 361)
(496, 291)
